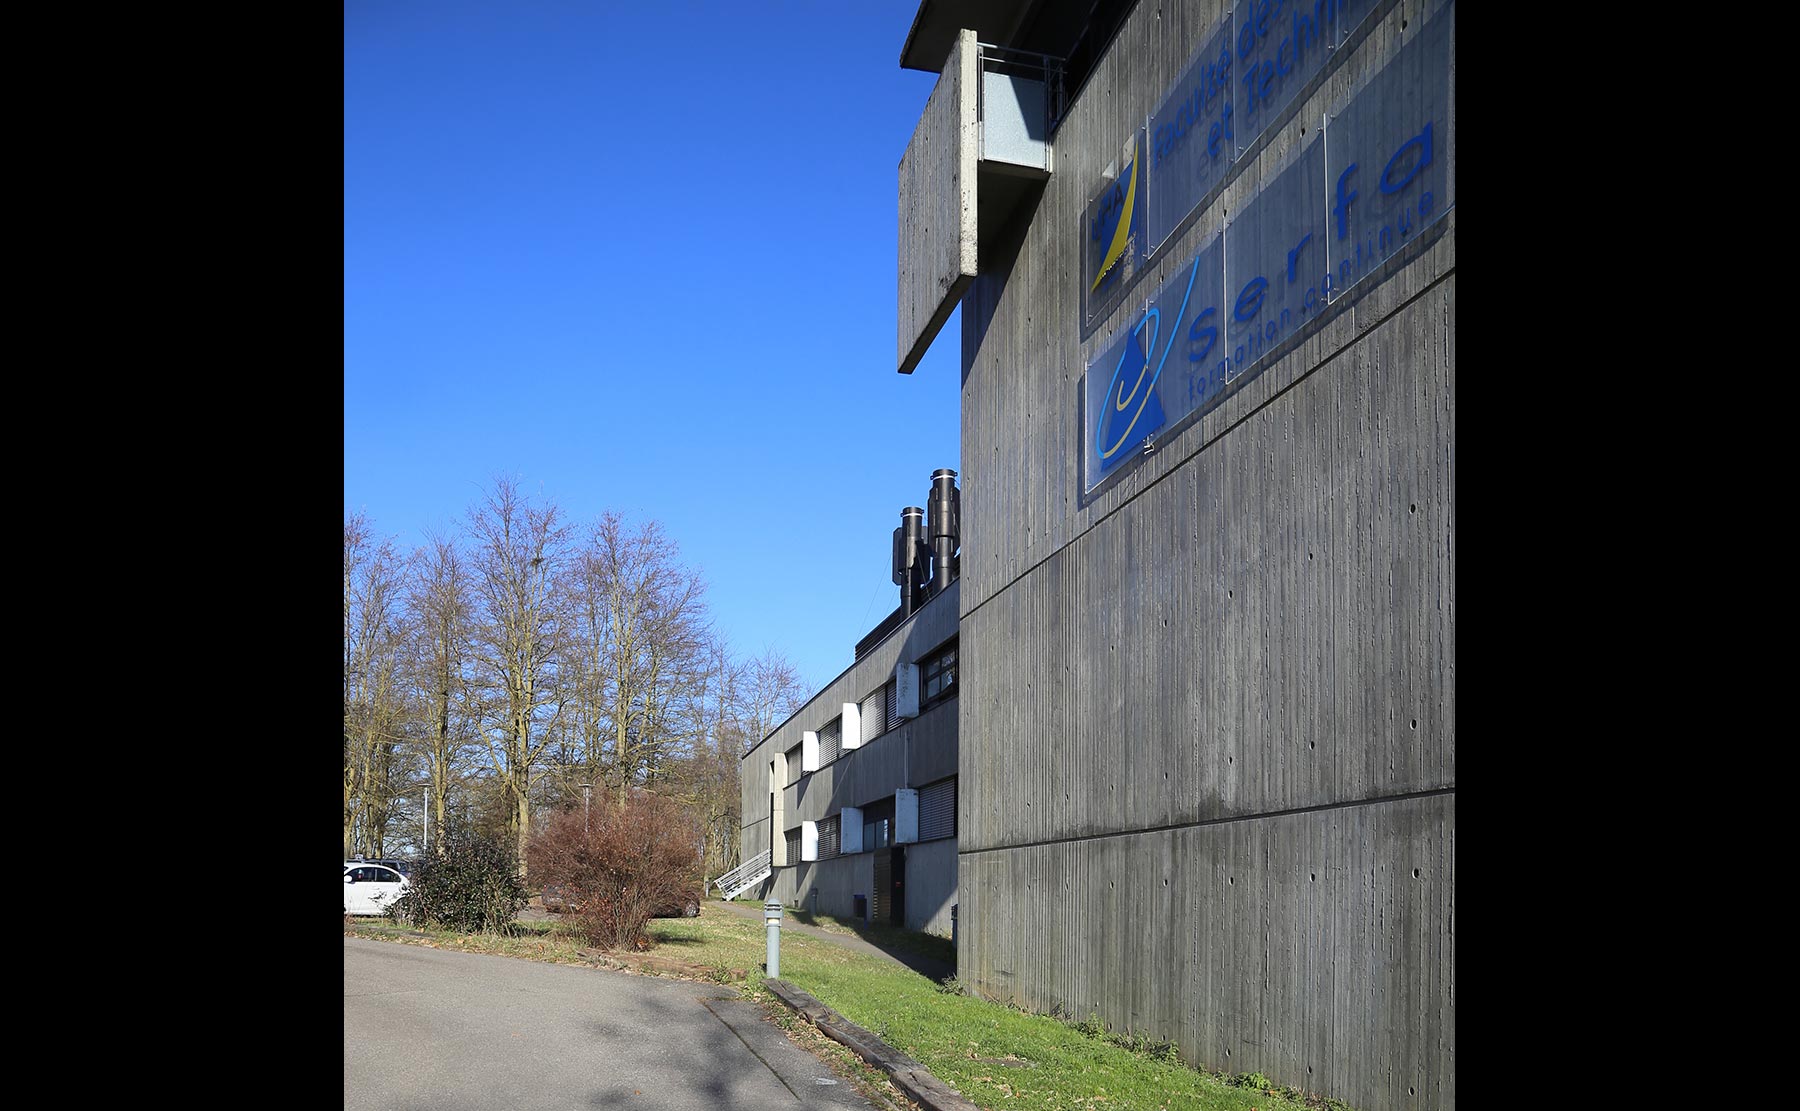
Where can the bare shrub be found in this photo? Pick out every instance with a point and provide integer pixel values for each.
(633, 860)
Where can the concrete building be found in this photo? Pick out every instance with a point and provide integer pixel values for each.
(849, 807)
(1205, 255)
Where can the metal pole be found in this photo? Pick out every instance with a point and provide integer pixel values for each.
(587, 795)
(772, 919)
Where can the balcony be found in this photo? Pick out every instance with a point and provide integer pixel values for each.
(982, 147)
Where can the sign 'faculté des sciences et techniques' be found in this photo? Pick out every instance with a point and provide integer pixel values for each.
(1367, 182)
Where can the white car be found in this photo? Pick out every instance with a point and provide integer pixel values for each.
(371, 888)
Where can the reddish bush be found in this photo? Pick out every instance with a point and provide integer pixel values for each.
(632, 860)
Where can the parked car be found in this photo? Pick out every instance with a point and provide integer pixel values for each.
(557, 900)
(563, 902)
(404, 867)
(371, 888)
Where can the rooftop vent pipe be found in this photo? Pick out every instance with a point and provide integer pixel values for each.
(912, 559)
(945, 525)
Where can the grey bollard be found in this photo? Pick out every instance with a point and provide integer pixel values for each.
(772, 920)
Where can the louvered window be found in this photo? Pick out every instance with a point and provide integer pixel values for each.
(793, 846)
(831, 741)
(829, 838)
(937, 810)
(891, 704)
(874, 715)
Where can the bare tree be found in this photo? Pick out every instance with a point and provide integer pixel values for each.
(643, 624)
(440, 602)
(705, 777)
(744, 703)
(771, 692)
(374, 700)
(515, 550)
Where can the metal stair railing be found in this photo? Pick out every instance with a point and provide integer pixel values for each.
(744, 876)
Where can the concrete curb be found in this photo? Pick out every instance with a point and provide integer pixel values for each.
(909, 1075)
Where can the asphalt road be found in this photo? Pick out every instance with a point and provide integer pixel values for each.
(430, 1029)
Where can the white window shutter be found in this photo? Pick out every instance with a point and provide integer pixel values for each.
(906, 816)
(906, 690)
(852, 726)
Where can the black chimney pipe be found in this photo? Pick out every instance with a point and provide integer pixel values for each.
(944, 526)
(910, 558)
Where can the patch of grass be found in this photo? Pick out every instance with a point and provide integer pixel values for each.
(545, 941)
(996, 1055)
(881, 936)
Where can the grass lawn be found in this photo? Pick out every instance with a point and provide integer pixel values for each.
(996, 1056)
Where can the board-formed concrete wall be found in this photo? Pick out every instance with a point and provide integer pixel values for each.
(937, 205)
(1208, 738)
(931, 885)
(828, 886)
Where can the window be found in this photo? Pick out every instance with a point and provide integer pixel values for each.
(831, 741)
(829, 838)
(793, 764)
(878, 825)
(937, 675)
(937, 810)
(874, 713)
(891, 704)
(793, 846)
(878, 834)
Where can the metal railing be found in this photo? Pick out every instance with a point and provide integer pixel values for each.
(1029, 64)
(751, 871)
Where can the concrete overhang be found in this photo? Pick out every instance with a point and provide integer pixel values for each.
(935, 27)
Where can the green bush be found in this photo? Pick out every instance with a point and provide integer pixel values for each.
(473, 886)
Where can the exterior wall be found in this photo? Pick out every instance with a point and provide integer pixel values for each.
(835, 880)
(931, 885)
(1207, 757)
(917, 752)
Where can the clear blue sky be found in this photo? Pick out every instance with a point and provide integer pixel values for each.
(642, 257)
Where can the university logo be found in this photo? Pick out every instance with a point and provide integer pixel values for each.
(1117, 225)
(1130, 410)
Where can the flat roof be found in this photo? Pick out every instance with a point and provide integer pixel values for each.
(935, 26)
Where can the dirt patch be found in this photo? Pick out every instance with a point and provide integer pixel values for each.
(656, 965)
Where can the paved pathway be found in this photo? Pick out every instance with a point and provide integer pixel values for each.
(430, 1028)
(929, 967)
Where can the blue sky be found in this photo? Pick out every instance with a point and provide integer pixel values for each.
(642, 258)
